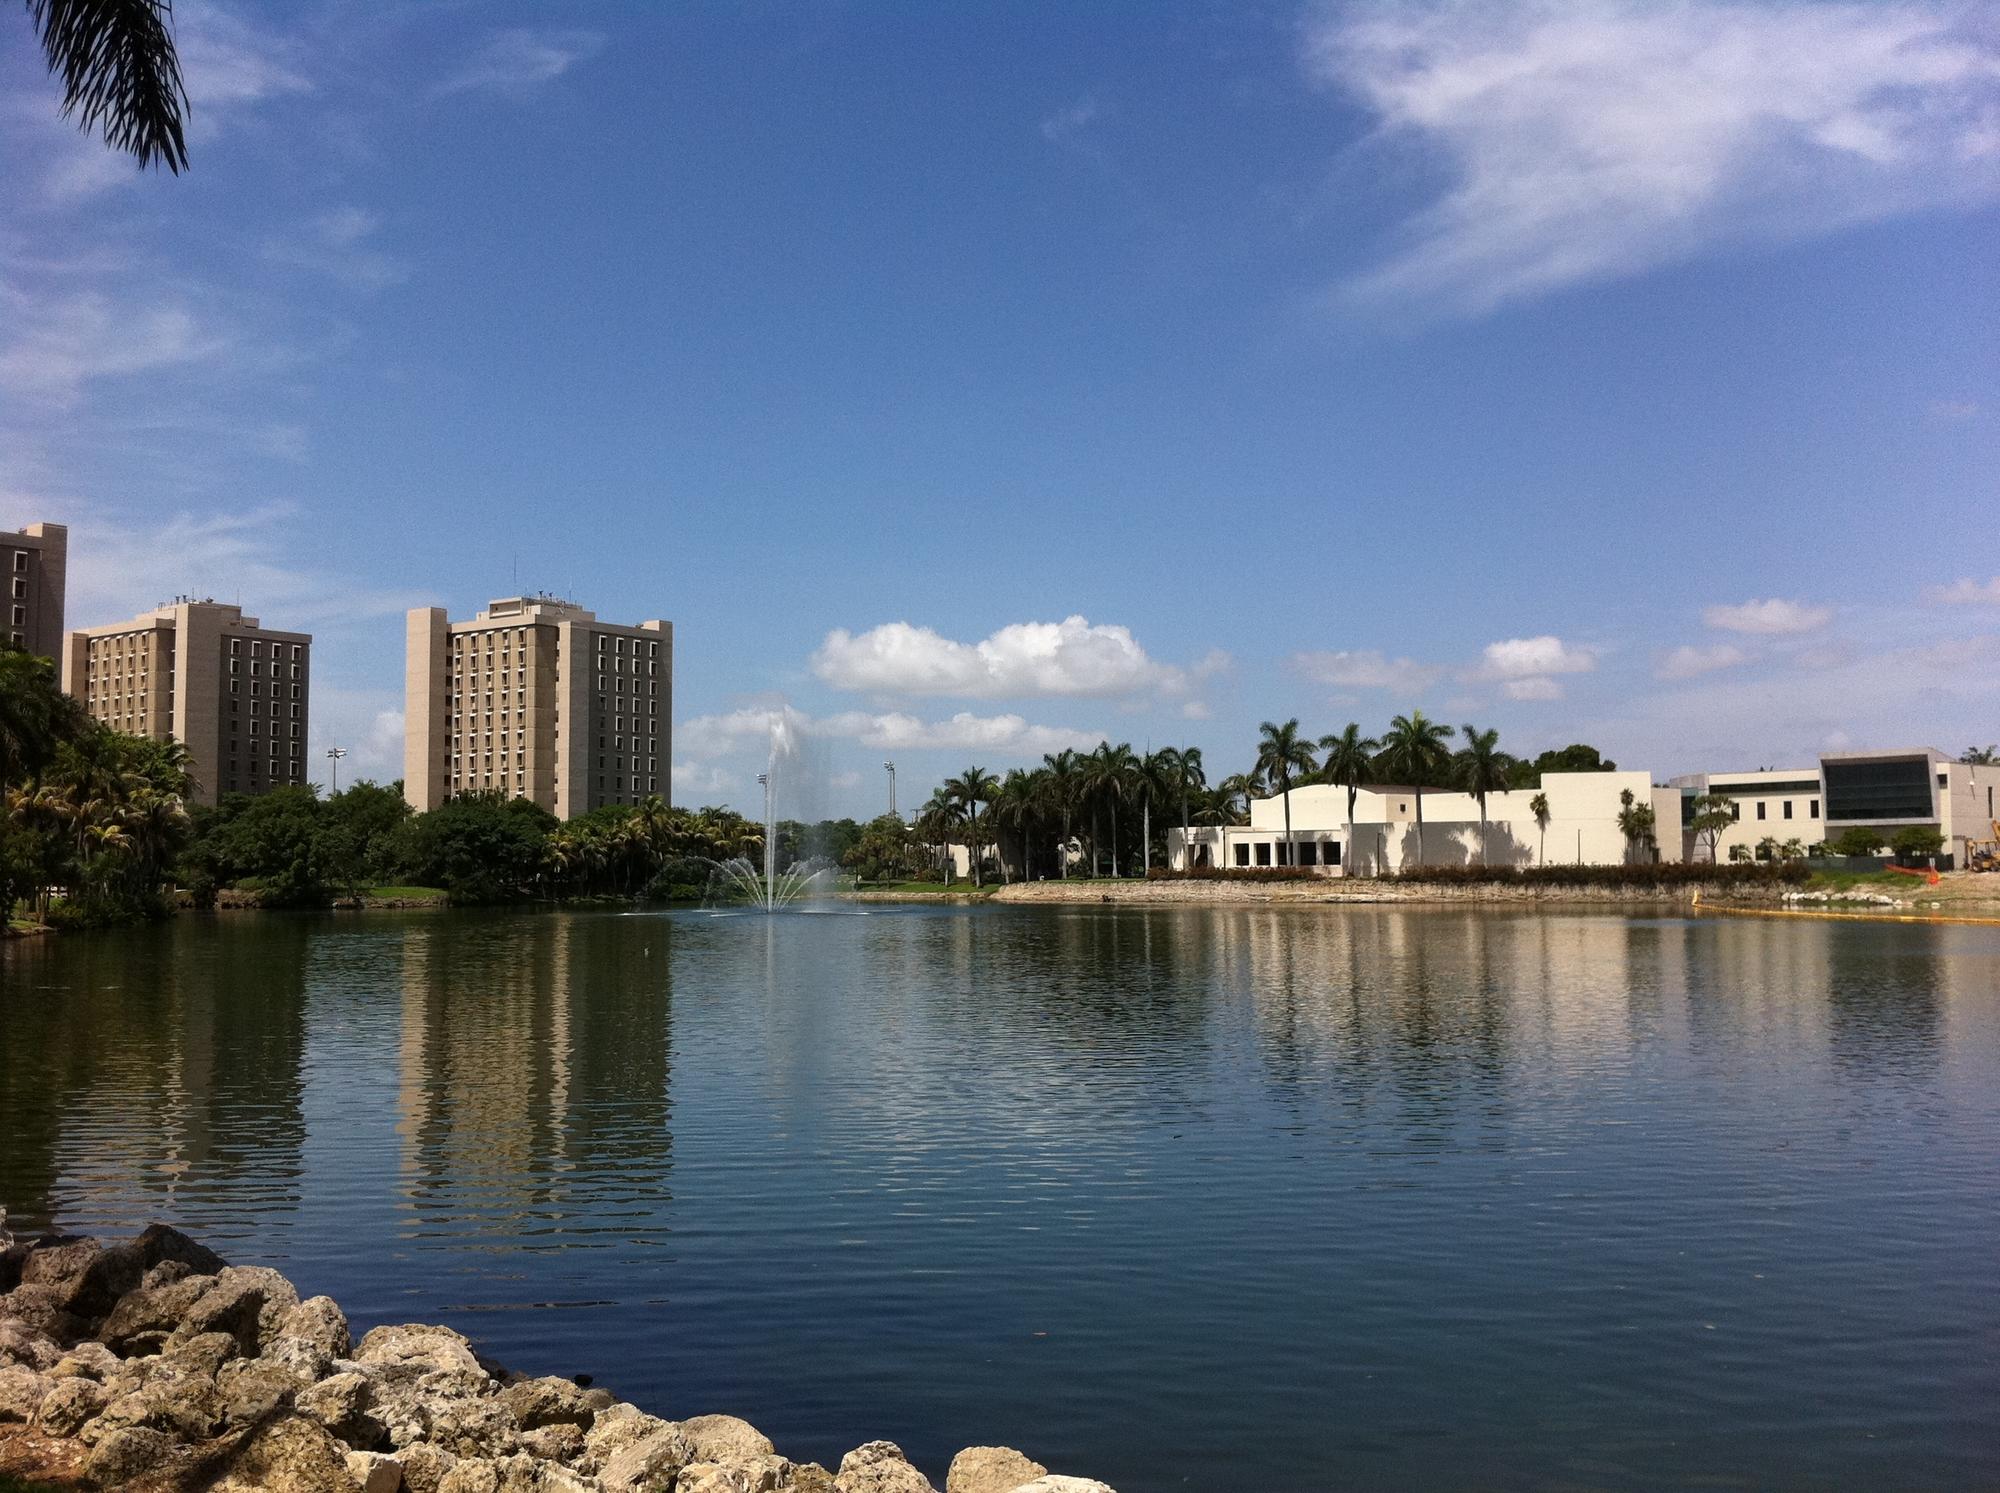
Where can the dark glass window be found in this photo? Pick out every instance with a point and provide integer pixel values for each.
(1898, 788)
(1309, 854)
(1263, 853)
(1242, 854)
(1330, 855)
(1788, 808)
(1761, 807)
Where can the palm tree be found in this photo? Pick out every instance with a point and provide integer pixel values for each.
(1107, 778)
(1350, 762)
(1238, 788)
(1637, 822)
(1185, 776)
(1152, 776)
(938, 819)
(1986, 756)
(1414, 751)
(969, 790)
(1060, 784)
(1482, 768)
(1016, 803)
(120, 73)
(1282, 752)
(36, 717)
(1539, 807)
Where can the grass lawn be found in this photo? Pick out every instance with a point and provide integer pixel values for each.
(407, 893)
(934, 888)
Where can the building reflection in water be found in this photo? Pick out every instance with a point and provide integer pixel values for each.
(533, 1106)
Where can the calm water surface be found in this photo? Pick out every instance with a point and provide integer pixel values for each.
(1224, 1199)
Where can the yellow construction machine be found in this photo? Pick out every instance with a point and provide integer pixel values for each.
(1984, 855)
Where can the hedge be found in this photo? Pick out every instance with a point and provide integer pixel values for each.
(1664, 873)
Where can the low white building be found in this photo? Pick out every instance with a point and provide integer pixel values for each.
(1581, 827)
(1883, 791)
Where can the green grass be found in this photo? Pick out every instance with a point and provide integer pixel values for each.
(407, 893)
(907, 888)
(1844, 881)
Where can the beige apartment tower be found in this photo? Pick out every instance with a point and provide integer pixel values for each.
(34, 569)
(535, 698)
(234, 693)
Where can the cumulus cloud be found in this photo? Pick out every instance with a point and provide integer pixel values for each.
(1584, 140)
(1770, 618)
(1366, 668)
(520, 59)
(1525, 668)
(1071, 658)
(710, 736)
(1969, 593)
(1686, 662)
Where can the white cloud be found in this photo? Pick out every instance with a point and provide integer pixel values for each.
(1366, 668)
(226, 63)
(1071, 658)
(1525, 668)
(1686, 662)
(706, 737)
(519, 59)
(1969, 593)
(56, 346)
(1534, 687)
(1590, 139)
(336, 244)
(1772, 617)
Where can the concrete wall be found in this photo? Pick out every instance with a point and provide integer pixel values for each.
(426, 678)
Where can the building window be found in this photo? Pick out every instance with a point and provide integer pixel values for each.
(1735, 810)
(1788, 808)
(1761, 807)
(1309, 853)
(1812, 809)
(1329, 854)
(1263, 852)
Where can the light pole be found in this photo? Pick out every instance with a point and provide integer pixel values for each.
(770, 835)
(333, 756)
(890, 768)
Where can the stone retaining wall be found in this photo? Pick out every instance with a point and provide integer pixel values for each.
(153, 1365)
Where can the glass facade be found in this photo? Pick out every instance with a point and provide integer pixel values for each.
(1895, 788)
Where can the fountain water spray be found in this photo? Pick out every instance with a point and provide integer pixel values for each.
(786, 771)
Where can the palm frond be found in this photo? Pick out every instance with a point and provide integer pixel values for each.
(121, 75)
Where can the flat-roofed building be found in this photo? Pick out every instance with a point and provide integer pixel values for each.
(536, 698)
(235, 693)
(34, 569)
(1582, 826)
(1882, 791)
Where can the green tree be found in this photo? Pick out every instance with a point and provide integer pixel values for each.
(1282, 755)
(1856, 841)
(1414, 751)
(1713, 814)
(1636, 822)
(1017, 805)
(1350, 764)
(1985, 756)
(970, 789)
(479, 847)
(1107, 781)
(1481, 768)
(36, 717)
(1061, 789)
(1185, 777)
(1539, 807)
(1916, 842)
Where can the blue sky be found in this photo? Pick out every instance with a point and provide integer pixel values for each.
(1597, 371)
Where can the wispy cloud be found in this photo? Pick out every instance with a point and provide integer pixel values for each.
(1774, 617)
(1366, 668)
(1969, 593)
(339, 244)
(1687, 662)
(521, 59)
(57, 345)
(1586, 140)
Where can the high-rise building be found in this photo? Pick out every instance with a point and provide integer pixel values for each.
(34, 566)
(535, 698)
(233, 692)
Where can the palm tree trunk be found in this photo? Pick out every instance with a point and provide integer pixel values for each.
(1187, 830)
(1114, 839)
(973, 846)
(1420, 825)
(1286, 858)
(1146, 839)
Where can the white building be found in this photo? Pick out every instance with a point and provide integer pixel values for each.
(1882, 791)
(1581, 828)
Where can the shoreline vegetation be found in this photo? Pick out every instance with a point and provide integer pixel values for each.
(154, 1366)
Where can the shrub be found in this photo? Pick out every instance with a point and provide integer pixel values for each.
(1235, 873)
(1661, 874)
(1855, 841)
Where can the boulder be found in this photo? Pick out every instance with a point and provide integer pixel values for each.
(163, 1248)
(376, 1472)
(471, 1477)
(810, 1477)
(307, 1361)
(343, 1404)
(318, 1321)
(247, 1301)
(22, 1344)
(129, 1453)
(146, 1316)
(425, 1467)
(879, 1467)
(86, 1361)
(709, 1477)
(990, 1469)
(251, 1388)
(203, 1354)
(561, 1442)
(548, 1402)
(39, 1310)
(617, 1427)
(649, 1464)
(724, 1438)
(1054, 1484)
(417, 1349)
(22, 1391)
(292, 1452)
(473, 1427)
(172, 1401)
(72, 1402)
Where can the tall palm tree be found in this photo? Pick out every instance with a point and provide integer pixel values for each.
(1235, 793)
(1482, 768)
(1349, 763)
(1186, 778)
(1414, 750)
(1152, 777)
(1060, 787)
(1539, 807)
(1016, 804)
(120, 73)
(1283, 754)
(1107, 779)
(938, 820)
(969, 790)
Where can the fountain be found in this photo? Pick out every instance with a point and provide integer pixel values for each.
(740, 882)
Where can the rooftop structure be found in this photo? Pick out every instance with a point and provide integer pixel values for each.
(34, 567)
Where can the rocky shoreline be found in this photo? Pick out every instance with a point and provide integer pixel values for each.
(153, 1365)
(1360, 891)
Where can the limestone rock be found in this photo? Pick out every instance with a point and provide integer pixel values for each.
(251, 1388)
(375, 1472)
(39, 1309)
(1055, 1484)
(72, 1402)
(425, 1466)
(292, 1452)
(306, 1361)
(129, 1453)
(724, 1438)
(343, 1404)
(810, 1477)
(318, 1321)
(22, 1391)
(474, 1428)
(648, 1464)
(471, 1477)
(146, 1316)
(547, 1402)
(417, 1349)
(617, 1427)
(247, 1302)
(173, 1401)
(709, 1477)
(990, 1469)
(561, 1442)
(22, 1344)
(879, 1467)
(203, 1354)
(86, 1361)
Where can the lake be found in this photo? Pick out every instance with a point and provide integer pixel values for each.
(1227, 1199)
